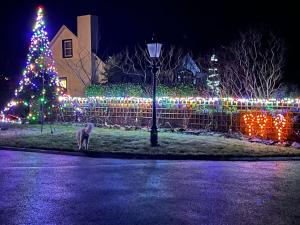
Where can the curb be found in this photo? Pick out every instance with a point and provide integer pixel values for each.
(156, 156)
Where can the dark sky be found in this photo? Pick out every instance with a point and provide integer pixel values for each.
(199, 26)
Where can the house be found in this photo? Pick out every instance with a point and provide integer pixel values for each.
(75, 57)
(189, 72)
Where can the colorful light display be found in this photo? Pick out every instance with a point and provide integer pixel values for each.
(39, 85)
(256, 113)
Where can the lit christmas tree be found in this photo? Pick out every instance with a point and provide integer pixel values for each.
(39, 87)
(213, 79)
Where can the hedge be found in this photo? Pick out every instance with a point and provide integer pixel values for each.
(137, 90)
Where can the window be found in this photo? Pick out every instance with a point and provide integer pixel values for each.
(63, 82)
(67, 48)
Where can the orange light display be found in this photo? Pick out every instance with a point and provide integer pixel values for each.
(264, 125)
(280, 124)
(261, 121)
(249, 121)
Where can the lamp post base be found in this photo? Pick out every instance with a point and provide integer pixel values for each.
(153, 137)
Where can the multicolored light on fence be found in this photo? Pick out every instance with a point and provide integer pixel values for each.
(198, 103)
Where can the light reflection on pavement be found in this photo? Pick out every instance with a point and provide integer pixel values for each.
(39, 188)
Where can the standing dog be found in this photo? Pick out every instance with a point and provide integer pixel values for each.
(83, 136)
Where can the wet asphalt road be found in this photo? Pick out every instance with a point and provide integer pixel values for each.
(38, 188)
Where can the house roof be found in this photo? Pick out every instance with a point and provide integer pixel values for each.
(188, 64)
(63, 27)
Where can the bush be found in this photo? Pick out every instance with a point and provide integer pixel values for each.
(177, 91)
(137, 90)
(115, 90)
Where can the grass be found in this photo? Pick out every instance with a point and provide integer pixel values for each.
(120, 141)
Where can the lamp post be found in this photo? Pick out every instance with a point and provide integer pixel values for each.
(154, 49)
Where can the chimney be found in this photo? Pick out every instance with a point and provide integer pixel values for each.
(88, 37)
(87, 32)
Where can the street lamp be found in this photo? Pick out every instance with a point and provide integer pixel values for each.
(154, 49)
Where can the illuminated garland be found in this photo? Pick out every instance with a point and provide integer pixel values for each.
(39, 84)
(280, 124)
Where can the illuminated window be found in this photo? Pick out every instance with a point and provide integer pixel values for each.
(63, 82)
(67, 48)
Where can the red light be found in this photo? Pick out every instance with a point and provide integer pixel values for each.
(40, 7)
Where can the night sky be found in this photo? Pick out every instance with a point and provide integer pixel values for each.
(199, 26)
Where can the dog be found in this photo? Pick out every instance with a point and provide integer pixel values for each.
(83, 136)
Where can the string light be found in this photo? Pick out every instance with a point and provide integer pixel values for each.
(213, 80)
(196, 103)
(39, 79)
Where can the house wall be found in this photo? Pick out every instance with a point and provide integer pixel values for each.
(65, 66)
(82, 69)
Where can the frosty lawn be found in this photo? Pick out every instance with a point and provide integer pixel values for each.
(120, 141)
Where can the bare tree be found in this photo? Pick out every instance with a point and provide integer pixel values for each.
(170, 61)
(136, 62)
(129, 62)
(252, 66)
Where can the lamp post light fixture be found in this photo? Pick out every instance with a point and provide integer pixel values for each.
(154, 49)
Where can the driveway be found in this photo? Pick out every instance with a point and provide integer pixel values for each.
(40, 188)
